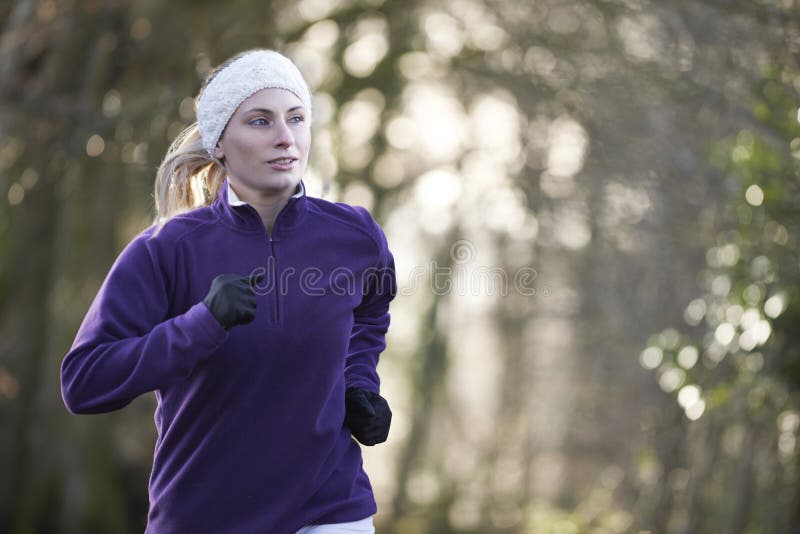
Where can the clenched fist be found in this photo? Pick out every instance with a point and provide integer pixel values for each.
(232, 300)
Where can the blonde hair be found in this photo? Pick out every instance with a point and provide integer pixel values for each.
(187, 178)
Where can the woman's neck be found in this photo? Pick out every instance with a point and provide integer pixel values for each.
(267, 205)
(269, 212)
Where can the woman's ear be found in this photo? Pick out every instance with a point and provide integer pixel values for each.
(218, 152)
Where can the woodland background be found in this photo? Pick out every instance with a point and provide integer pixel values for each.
(610, 187)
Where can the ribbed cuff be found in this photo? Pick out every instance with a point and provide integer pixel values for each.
(208, 335)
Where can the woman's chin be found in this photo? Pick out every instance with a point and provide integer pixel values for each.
(282, 181)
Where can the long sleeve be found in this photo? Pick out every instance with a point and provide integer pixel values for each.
(371, 319)
(127, 345)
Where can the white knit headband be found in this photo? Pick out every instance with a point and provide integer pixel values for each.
(245, 76)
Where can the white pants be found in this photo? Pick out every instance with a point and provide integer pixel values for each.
(363, 526)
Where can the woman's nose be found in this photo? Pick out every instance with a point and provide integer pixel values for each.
(283, 135)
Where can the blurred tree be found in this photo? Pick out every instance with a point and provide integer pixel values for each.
(735, 373)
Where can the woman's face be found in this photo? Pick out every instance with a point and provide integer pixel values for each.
(265, 145)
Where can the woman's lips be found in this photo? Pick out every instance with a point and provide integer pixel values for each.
(282, 164)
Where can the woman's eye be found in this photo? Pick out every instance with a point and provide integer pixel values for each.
(297, 118)
(258, 122)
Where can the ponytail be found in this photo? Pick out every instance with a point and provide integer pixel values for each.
(187, 178)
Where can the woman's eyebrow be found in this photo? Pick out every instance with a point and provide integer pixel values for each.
(270, 112)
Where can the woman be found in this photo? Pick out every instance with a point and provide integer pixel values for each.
(256, 314)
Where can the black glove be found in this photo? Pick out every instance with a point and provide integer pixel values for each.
(231, 299)
(368, 416)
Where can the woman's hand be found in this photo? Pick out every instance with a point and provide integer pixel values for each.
(368, 416)
(232, 300)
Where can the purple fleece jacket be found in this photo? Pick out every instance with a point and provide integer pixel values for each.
(250, 421)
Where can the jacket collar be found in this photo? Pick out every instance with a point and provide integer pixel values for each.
(243, 216)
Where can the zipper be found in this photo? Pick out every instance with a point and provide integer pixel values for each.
(273, 267)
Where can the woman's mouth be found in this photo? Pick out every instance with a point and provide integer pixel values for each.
(282, 164)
